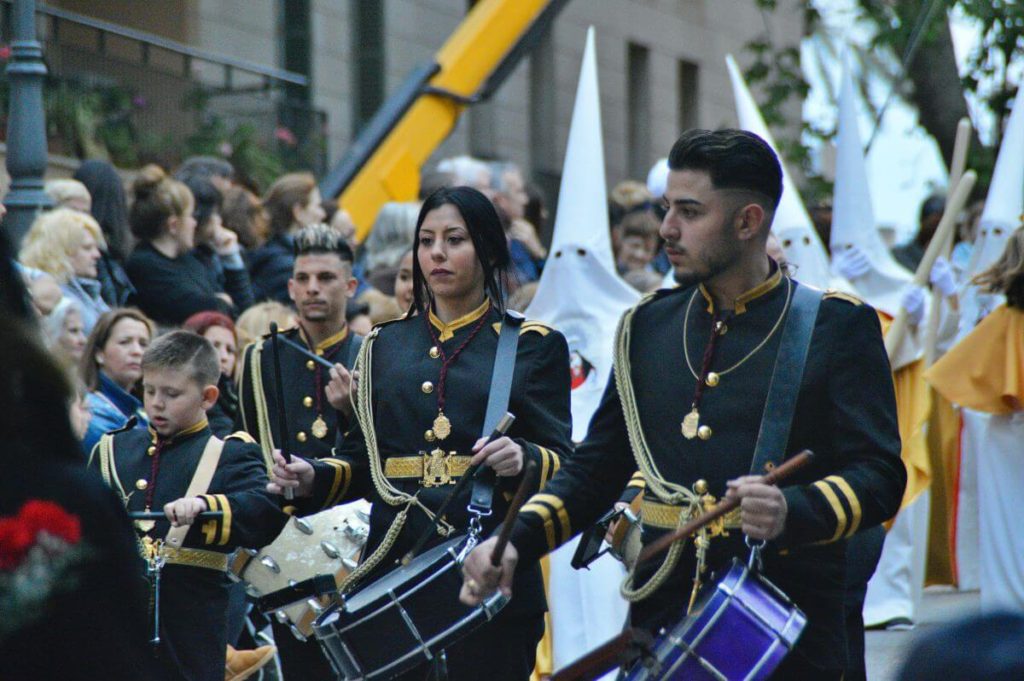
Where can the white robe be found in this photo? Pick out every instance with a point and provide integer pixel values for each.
(1001, 536)
(972, 440)
(895, 589)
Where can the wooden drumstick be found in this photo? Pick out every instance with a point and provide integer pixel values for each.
(282, 419)
(777, 475)
(527, 483)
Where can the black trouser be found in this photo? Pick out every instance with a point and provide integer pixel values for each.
(862, 553)
(300, 661)
(502, 650)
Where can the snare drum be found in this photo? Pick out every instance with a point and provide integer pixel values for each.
(741, 630)
(405, 618)
(326, 543)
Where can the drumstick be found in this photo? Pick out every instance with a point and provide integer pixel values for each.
(525, 485)
(282, 419)
(159, 515)
(305, 351)
(499, 431)
(776, 476)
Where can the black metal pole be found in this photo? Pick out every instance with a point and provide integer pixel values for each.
(282, 423)
(26, 125)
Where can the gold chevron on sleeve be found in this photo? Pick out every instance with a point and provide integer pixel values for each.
(544, 513)
(851, 500)
(637, 481)
(837, 508)
(225, 523)
(209, 528)
(549, 465)
(559, 510)
(342, 477)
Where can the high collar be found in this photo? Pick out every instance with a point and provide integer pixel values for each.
(740, 303)
(195, 428)
(126, 403)
(327, 343)
(447, 331)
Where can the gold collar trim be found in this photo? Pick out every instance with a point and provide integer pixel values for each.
(446, 331)
(327, 343)
(191, 430)
(740, 304)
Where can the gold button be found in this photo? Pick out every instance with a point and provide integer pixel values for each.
(311, 365)
(704, 433)
(307, 401)
(434, 352)
(427, 387)
(301, 437)
(712, 379)
(429, 436)
(701, 486)
(141, 484)
(151, 451)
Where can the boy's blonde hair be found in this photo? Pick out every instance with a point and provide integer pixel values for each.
(54, 236)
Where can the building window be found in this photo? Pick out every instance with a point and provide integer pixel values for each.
(638, 107)
(687, 90)
(368, 61)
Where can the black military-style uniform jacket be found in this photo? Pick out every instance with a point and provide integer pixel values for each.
(194, 600)
(304, 403)
(845, 413)
(404, 375)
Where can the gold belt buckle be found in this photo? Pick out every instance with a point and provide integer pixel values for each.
(437, 468)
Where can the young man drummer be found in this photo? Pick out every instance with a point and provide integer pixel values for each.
(168, 469)
(693, 413)
(320, 287)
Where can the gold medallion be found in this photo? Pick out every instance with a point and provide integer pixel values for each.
(442, 426)
(319, 428)
(145, 526)
(691, 423)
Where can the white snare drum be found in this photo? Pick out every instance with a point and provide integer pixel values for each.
(329, 542)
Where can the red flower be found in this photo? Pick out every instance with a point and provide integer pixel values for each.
(5, 52)
(18, 533)
(285, 135)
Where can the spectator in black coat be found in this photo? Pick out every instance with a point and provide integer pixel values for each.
(217, 247)
(110, 208)
(291, 203)
(171, 283)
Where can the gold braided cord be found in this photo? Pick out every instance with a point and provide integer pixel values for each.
(259, 398)
(665, 490)
(377, 556)
(778, 322)
(108, 467)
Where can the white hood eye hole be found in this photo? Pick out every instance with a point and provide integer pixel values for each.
(786, 243)
(807, 241)
(997, 231)
(558, 254)
(581, 251)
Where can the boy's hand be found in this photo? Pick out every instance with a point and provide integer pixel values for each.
(298, 475)
(184, 511)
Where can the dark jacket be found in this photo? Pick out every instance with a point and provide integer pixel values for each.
(170, 290)
(845, 413)
(224, 412)
(229, 275)
(404, 401)
(270, 267)
(194, 600)
(115, 286)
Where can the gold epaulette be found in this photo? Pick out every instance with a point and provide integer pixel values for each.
(538, 327)
(839, 295)
(241, 435)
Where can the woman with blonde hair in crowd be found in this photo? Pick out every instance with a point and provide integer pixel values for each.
(68, 193)
(111, 370)
(291, 203)
(254, 323)
(171, 284)
(109, 205)
(66, 244)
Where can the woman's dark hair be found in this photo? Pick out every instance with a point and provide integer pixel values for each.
(208, 200)
(109, 205)
(488, 237)
(89, 369)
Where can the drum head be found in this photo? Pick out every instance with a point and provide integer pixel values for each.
(404, 575)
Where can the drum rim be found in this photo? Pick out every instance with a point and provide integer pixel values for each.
(428, 559)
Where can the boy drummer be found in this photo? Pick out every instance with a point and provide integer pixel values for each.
(178, 467)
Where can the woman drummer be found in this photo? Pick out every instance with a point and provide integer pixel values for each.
(421, 399)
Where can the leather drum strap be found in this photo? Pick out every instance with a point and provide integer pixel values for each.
(784, 388)
(199, 484)
(497, 405)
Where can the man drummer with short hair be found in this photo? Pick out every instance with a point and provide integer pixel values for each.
(692, 374)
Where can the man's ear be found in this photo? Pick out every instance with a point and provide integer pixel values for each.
(750, 221)
(350, 288)
(210, 395)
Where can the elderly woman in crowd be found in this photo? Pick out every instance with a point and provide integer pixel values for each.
(66, 244)
(388, 242)
(109, 205)
(64, 332)
(111, 370)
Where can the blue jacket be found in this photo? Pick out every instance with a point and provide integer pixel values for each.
(111, 407)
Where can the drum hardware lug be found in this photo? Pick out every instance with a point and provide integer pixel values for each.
(754, 562)
(303, 526)
(315, 606)
(349, 563)
(355, 532)
(363, 517)
(252, 591)
(281, 617)
(296, 633)
(330, 549)
(292, 583)
(271, 564)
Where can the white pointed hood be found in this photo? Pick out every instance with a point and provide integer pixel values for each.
(1004, 205)
(579, 292)
(853, 220)
(792, 225)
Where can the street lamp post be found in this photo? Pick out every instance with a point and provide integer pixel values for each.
(26, 124)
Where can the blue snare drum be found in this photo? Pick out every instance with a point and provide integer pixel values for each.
(741, 630)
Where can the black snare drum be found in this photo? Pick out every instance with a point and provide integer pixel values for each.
(405, 618)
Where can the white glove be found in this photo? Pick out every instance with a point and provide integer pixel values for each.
(851, 263)
(942, 277)
(913, 303)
